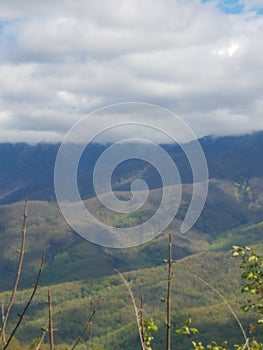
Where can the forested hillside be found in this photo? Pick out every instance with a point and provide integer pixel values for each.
(27, 170)
(78, 272)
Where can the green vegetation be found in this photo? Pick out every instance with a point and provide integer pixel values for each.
(78, 272)
(115, 326)
(245, 194)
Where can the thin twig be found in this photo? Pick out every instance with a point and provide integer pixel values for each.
(29, 301)
(90, 320)
(3, 317)
(19, 269)
(169, 297)
(135, 308)
(142, 318)
(50, 327)
(228, 305)
(44, 332)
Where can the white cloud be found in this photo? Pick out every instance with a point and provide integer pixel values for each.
(58, 63)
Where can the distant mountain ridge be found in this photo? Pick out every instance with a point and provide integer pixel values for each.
(26, 171)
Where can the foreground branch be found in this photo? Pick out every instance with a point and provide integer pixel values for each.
(227, 304)
(90, 320)
(50, 321)
(3, 317)
(142, 319)
(18, 274)
(135, 308)
(169, 262)
(44, 332)
(169, 297)
(28, 303)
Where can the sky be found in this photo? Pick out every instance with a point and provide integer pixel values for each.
(61, 60)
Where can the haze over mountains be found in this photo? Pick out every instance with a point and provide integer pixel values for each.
(27, 171)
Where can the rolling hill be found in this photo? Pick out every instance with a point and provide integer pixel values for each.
(77, 271)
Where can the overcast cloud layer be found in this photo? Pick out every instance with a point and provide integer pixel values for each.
(60, 60)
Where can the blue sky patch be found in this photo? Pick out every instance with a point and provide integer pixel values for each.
(235, 7)
(229, 6)
(260, 11)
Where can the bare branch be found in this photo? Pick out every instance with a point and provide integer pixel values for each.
(90, 320)
(44, 332)
(29, 301)
(50, 327)
(3, 317)
(135, 308)
(227, 304)
(142, 319)
(19, 269)
(169, 297)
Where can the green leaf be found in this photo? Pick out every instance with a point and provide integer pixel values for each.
(253, 258)
(194, 330)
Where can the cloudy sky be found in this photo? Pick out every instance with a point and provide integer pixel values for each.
(60, 60)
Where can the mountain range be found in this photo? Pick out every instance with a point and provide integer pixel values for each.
(77, 271)
(27, 171)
